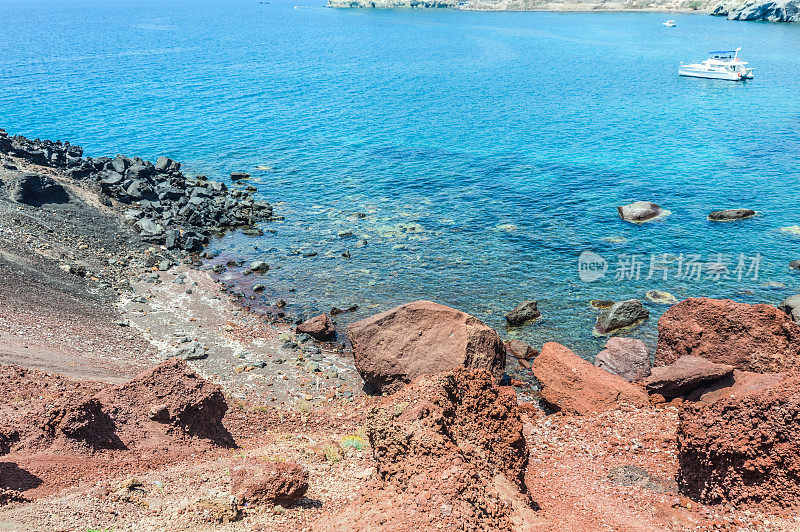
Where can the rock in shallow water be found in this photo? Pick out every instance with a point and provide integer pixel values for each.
(622, 315)
(641, 211)
(525, 311)
(661, 297)
(320, 328)
(727, 215)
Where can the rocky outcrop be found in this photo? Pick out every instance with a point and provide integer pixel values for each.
(757, 338)
(621, 315)
(394, 347)
(449, 450)
(525, 311)
(770, 11)
(164, 206)
(37, 190)
(319, 328)
(684, 376)
(169, 399)
(268, 483)
(743, 450)
(573, 385)
(626, 357)
(737, 384)
(641, 211)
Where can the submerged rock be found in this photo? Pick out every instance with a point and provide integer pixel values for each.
(660, 297)
(573, 385)
(731, 214)
(626, 357)
(641, 211)
(394, 347)
(525, 311)
(622, 315)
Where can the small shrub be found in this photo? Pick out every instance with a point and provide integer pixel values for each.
(353, 441)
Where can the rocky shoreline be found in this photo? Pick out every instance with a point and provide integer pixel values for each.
(137, 394)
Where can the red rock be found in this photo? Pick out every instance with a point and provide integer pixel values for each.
(521, 350)
(265, 483)
(449, 450)
(738, 384)
(169, 399)
(757, 338)
(320, 328)
(394, 347)
(626, 357)
(573, 385)
(744, 450)
(685, 375)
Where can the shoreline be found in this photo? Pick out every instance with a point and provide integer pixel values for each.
(98, 301)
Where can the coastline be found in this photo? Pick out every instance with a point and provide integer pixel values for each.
(102, 302)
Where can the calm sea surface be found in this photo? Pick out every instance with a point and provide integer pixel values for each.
(476, 154)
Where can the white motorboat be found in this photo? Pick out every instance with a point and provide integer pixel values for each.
(669, 24)
(719, 65)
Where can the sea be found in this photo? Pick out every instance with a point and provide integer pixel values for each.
(470, 158)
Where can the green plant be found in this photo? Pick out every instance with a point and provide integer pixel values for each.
(354, 441)
(332, 453)
(695, 5)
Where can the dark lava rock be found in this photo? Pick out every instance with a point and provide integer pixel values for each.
(621, 315)
(525, 311)
(731, 214)
(37, 190)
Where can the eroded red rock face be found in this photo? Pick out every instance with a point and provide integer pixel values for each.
(422, 338)
(169, 398)
(450, 454)
(743, 449)
(575, 386)
(757, 338)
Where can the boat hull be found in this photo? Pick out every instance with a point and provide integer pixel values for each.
(692, 73)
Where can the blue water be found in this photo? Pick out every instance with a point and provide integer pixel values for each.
(487, 150)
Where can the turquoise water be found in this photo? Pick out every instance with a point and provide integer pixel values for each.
(487, 150)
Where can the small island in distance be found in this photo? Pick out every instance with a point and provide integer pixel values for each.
(778, 11)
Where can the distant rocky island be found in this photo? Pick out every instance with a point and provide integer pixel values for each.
(772, 11)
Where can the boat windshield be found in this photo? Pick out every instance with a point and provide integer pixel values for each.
(723, 55)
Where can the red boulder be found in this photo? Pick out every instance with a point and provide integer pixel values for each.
(757, 338)
(571, 384)
(266, 483)
(422, 338)
(319, 328)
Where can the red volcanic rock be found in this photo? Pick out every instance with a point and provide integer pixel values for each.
(576, 386)
(738, 384)
(394, 347)
(320, 328)
(757, 338)
(449, 450)
(169, 399)
(743, 450)
(269, 483)
(520, 349)
(684, 376)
